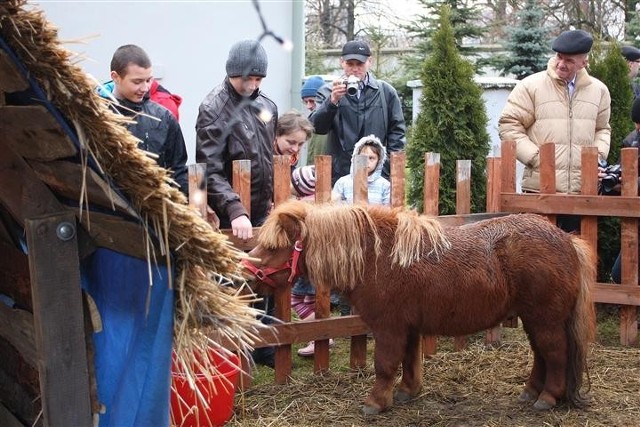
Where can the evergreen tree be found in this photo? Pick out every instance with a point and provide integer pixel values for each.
(452, 122)
(609, 66)
(465, 20)
(527, 44)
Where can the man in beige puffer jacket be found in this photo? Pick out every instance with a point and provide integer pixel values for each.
(563, 105)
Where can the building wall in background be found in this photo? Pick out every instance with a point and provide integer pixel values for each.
(188, 43)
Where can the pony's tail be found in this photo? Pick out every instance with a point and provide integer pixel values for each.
(581, 325)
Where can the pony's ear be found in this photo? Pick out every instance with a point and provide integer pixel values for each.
(292, 219)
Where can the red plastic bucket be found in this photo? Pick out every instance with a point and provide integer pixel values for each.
(188, 408)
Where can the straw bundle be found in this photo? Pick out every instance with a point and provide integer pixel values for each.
(203, 258)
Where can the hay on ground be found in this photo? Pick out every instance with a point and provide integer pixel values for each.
(475, 387)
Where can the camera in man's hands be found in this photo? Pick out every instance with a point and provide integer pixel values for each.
(611, 178)
(352, 83)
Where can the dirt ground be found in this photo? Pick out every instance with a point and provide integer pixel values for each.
(475, 387)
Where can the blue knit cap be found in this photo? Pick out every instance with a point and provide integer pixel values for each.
(311, 86)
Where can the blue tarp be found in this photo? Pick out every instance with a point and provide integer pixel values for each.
(133, 350)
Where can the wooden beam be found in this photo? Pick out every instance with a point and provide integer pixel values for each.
(33, 133)
(14, 275)
(574, 204)
(7, 419)
(24, 406)
(118, 234)
(309, 330)
(462, 219)
(609, 293)
(66, 179)
(59, 320)
(11, 80)
(16, 327)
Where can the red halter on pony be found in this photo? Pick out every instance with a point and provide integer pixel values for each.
(263, 274)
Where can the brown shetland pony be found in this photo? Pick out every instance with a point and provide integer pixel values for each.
(408, 275)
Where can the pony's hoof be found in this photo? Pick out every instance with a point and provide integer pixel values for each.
(542, 405)
(527, 396)
(401, 396)
(370, 410)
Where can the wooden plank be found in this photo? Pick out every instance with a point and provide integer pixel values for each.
(463, 207)
(198, 188)
(59, 321)
(281, 179)
(21, 192)
(302, 332)
(493, 336)
(10, 78)
(457, 220)
(16, 327)
(241, 181)
(323, 303)
(508, 166)
(14, 275)
(66, 179)
(323, 179)
(629, 246)
(118, 234)
(431, 199)
(360, 185)
(7, 419)
(571, 204)
(24, 406)
(548, 173)
(358, 359)
(282, 295)
(616, 294)
(398, 161)
(34, 134)
(589, 186)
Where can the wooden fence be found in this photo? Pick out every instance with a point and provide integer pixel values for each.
(501, 199)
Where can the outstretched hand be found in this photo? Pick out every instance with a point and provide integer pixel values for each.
(242, 228)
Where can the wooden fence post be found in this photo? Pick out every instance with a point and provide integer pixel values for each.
(198, 188)
(629, 248)
(360, 195)
(282, 295)
(463, 206)
(493, 335)
(323, 298)
(431, 197)
(507, 185)
(589, 187)
(398, 161)
(547, 158)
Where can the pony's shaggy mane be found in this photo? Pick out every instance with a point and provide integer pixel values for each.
(410, 244)
(336, 237)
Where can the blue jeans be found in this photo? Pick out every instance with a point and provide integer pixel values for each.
(616, 271)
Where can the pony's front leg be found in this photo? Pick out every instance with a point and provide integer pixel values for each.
(387, 355)
(411, 382)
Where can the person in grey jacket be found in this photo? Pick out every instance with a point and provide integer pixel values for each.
(236, 121)
(373, 109)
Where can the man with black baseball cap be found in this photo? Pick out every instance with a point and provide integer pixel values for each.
(373, 109)
(632, 56)
(563, 105)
